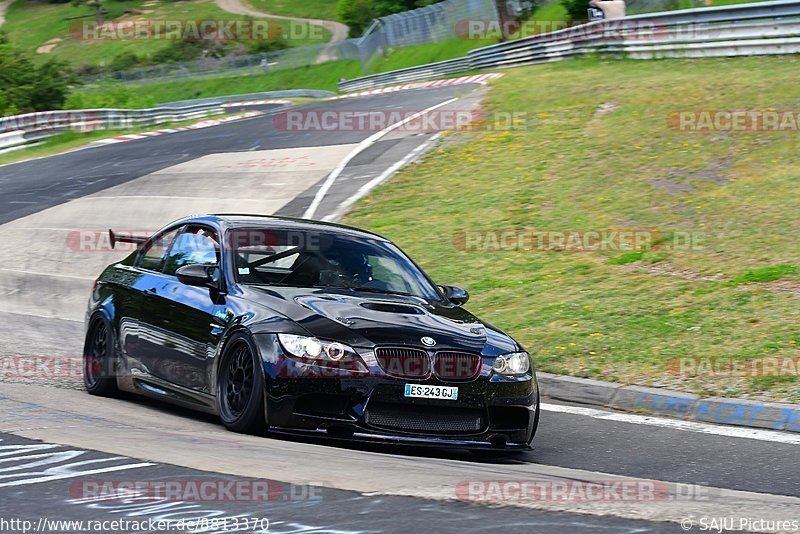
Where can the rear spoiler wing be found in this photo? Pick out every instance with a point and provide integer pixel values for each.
(115, 238)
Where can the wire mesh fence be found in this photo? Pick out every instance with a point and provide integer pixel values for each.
(235, 65)
(431, 24)
(434, 23)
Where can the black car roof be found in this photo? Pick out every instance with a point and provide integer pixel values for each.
(237, 220)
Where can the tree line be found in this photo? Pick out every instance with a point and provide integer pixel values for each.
(358, 14)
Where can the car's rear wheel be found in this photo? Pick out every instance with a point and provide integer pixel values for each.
(98, 360)
(240, 387)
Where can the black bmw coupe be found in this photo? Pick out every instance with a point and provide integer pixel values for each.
(302, 327)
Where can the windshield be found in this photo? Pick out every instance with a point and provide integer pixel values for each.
(325, 260)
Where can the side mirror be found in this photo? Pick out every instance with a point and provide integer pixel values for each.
(457, 295)
(198, 275)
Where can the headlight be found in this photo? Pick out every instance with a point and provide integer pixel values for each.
(516, 363)
(313, 349)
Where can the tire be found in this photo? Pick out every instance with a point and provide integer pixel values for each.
(98, 360)
(240, 387)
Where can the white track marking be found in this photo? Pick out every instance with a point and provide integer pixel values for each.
(61, 476)
(48, 466)
(369, 186)
(677, 424)
(362, 146)
(11, 450)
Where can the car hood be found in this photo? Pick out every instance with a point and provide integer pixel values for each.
(370, 319)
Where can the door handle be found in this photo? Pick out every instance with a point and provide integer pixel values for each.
(151, 291)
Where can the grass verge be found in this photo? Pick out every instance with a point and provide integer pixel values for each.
(597, 151)
(412, 56)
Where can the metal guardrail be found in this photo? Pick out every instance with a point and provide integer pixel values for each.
(762, 28)
(19, 130)
(452, 66)
(12, 139)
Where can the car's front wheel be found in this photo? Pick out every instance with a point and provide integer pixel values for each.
(98, 359)
(240, 387)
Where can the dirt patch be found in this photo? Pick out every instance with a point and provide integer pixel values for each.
(671, 186)
(48, 46)
(676, 181)
(3, 7)
(714, 173)
(667, 269)
(606, 108)
(782, 286)
(339, 31)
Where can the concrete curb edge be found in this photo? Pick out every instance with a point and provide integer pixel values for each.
(671, 403)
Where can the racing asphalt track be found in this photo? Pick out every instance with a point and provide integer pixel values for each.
(366, 488)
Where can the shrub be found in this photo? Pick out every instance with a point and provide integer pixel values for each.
(110, 95)
(26, 87)
(576, 9)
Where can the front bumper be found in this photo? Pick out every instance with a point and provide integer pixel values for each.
(491, 412)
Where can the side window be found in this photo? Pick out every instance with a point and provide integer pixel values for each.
(195, 246)
(153, 256)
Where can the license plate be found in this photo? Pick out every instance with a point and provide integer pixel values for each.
(431, 392)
